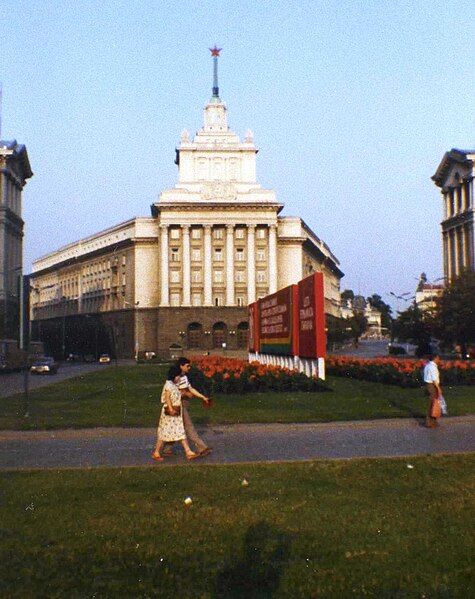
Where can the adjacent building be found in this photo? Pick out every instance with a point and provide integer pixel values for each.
(14, 171)
(184, 276)
(455, 177)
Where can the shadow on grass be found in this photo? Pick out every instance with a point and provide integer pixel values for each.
(405, 406)
(257, 573)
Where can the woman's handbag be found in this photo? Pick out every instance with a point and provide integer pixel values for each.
(435, 411)
(176, 411)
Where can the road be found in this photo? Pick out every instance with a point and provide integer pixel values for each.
(14, 382)
(368, 348)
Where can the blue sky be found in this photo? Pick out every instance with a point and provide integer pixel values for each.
(352, 104)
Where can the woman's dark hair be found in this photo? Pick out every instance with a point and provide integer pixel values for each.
(173, 373)
(182, 361)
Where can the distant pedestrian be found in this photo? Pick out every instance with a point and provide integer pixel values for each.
(187, 392)
(434, 390)
(170, 426)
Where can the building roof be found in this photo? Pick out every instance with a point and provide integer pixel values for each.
(18, 152)
(453, 156)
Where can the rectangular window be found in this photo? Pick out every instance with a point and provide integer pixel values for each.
(124, 260)
(174, 233)
(240, 276)
(240, 233)
(261, 276)
(123, 279)
(195, 233)
(240, 300)
(196, 299)
(174, 299)
(195, 255)
(218, 254)
(218, 233)
(174, 255)
(174, 276)
(261, 255)
(218, 276)
(218, 301)
(261, 233)
(196, 276)
(239, 254)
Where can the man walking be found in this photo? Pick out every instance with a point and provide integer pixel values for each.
(187, 392)
(432, 381)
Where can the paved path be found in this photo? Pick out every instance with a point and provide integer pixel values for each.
(237, 443)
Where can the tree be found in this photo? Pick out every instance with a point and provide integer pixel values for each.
(358, 323)
(455, 312)
(415, 326)
(347, 295)
(338, 330)
(376, 302)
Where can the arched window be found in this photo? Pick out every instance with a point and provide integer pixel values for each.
(194, 335)
(242, 335)
(220, 334)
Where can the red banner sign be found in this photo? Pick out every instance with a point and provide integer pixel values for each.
(275, 322)
(253, 328)
(311, 317)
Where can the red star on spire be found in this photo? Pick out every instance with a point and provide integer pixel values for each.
(215, 51)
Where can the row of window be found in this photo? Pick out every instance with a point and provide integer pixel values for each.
(218, 276)
(218, 233)
(197, 300)
(103, 265)
(196, 255)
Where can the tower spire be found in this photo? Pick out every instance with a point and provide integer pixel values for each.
(215, 54)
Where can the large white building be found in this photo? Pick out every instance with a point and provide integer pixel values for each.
(14, 171)
(184, 276)
(455, 176)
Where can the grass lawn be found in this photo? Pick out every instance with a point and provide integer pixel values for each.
(130, 396)
(316, 529)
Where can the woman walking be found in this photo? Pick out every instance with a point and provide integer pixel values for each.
(170, 426)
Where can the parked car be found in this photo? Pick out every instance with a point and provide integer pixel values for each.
(74, 358)
(45, 365)
(104, 359)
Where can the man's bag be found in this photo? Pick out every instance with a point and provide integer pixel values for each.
(443, 406)
(435, 411)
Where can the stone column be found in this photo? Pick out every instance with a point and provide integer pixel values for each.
(272, 259)
(463, 246)
(207, 267)
(164, 298)
(457, 252)
(445, 245)
(251, 264)
(186, 298)
(230, 265)
(449, 255)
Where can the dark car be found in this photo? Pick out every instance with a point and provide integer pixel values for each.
(89, 358)
(44, 365)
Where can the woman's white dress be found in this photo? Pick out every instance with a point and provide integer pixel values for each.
(170, 428)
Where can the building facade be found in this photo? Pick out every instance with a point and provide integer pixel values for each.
(184, 276)
(14, 171)
(455, 177)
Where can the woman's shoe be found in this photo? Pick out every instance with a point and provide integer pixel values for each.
(206, 451)
(157, 458)
(192, 455)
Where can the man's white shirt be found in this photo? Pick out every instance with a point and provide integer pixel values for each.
(431, 373)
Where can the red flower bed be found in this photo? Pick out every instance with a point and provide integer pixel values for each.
(402, 372)
(216, 374)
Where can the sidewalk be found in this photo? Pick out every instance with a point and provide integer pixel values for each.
(117, 447)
